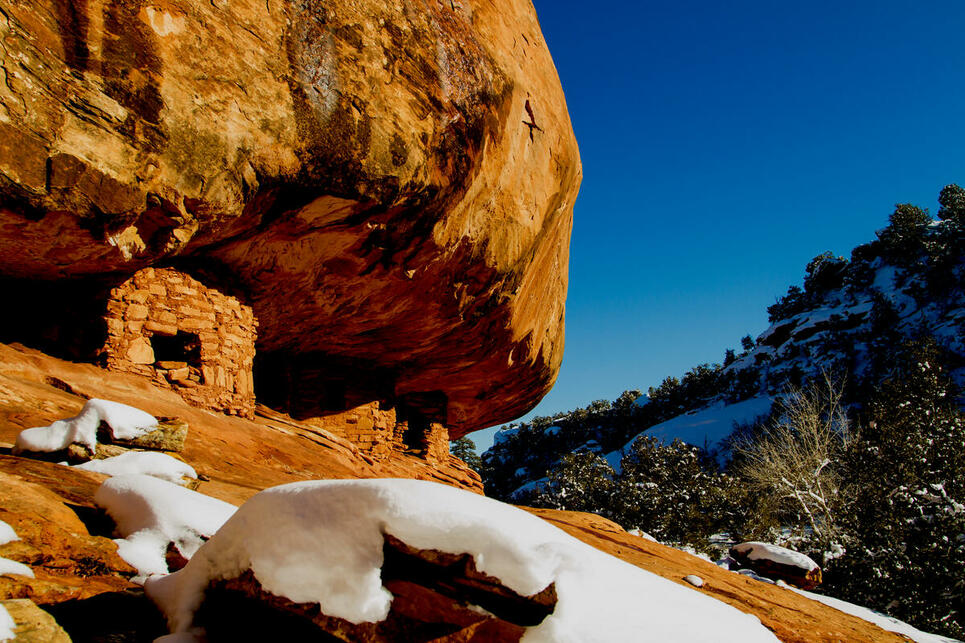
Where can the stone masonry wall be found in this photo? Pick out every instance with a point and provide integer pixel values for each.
(166, 325)
(352, 400)
(368, 426)
(378, 431)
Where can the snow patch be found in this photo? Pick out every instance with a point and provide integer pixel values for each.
(6, 625)
(885, 279)
(694, 580)
(615, 460)
(151, 513)
(712, 424)
(504, 435)
(8, 566)
(159, 465)
(7, 534)
(321, 542)
(126, 423)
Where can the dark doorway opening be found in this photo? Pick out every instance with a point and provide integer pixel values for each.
(420, 411)
(183, 347)
(416, 433)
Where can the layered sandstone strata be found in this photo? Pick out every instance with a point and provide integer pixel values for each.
(388, 185)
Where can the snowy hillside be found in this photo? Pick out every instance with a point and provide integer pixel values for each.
(848, 318)
(710, 425)
(845, 326)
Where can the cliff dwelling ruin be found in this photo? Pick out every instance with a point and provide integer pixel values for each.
(166, 325)
(190, 337)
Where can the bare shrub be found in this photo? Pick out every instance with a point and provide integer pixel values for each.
(793, 460)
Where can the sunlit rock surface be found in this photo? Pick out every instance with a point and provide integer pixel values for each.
(388, 184)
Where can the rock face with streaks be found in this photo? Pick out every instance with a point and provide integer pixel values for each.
(389, 185)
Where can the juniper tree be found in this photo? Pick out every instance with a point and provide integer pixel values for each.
(904, 237)
(674, 492)
(583, 481)
(465, 450)
(951, 203)
(906, 512)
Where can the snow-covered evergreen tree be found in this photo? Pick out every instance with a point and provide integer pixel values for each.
(582, 482)
(906, 515)
(673, 492)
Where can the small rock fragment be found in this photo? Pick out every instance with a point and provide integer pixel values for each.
(694, 580)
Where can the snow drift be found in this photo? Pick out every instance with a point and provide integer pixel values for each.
(151, 514)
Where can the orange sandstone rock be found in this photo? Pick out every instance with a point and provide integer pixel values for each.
(792, 617)
(388, 185)
(44, 502)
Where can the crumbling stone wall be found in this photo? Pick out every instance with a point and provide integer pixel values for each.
(437, 443)
(368, 426)
(166, 325)
(377, 430)
(356, 401)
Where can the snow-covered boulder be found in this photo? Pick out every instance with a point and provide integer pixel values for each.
(124, 422)
(779, 563)
(103, 429)
(332, 550)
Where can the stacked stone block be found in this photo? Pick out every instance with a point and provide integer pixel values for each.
(166, 325)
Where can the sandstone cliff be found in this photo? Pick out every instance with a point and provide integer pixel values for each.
(388, 185)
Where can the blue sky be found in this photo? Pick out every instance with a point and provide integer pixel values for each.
(726, 144)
